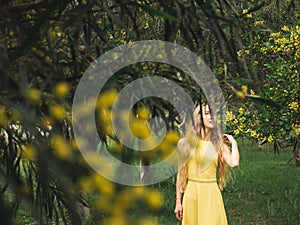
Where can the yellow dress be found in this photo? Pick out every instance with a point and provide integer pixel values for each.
(202, 201)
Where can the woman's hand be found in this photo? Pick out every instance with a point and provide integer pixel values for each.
(178, 210)
(228, 138)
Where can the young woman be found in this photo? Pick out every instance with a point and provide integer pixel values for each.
(202, 177)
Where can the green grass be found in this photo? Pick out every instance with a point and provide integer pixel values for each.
(266, 191)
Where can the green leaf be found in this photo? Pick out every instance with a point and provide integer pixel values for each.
(260, 101)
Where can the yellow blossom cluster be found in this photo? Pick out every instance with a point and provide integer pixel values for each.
(296, 128)
(242, 92)
(259, 22)
(240, 125)
(120, 205)
(294, 106)
(286, 42)
(104, 106)
(121, 36)
(9, 116)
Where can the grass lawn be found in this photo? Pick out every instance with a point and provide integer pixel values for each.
(266, 191)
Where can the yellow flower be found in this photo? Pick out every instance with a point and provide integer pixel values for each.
(241, 110)
(111, 36)
(253, 133)
(252, 92)
(169, 143)
(3, 116)
(33, 95)
(239, 53)
(123, 32)
(47, 59)
(139, 191)
(240, 94)
(140, 128)
(229, 116)
(116, 220)
(257, 23)
(144, 113)
(285, 28)
(154, 200)
(294, 106)
(297, 130)
(61, 147)
(172, 137)
(146, 25)
(275, 34)
(62, 89)
(236, 132)
(57, 111)
(270, 138)
(242, 119)
(245, 11)
(244, 89)
(249, 15)
(102, 185)
(106, 99)
(15, 116)
(29, 152)
(147, 222)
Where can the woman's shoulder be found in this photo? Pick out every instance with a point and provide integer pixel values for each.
(186, 145)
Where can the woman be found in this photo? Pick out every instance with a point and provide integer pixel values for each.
(205, 173)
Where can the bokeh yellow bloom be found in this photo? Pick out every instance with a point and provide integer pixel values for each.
(147, 221)
(57, 112)
(62, 89)
(143, 113)
(106, 99)
(3, 116)
(33, 95)
(140, 128)
(29, 152)
(244, 89)
(240, 94)
(61, 147)
(154, 200)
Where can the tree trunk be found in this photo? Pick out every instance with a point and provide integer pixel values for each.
(296, 152)
(144, 170)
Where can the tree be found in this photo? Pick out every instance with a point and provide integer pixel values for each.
(47, 46)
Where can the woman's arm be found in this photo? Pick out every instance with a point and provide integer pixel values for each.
(232, 158)
(178, 207)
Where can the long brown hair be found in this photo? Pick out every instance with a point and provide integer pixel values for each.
(187, 145)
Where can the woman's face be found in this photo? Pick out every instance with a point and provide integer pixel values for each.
(207, 119)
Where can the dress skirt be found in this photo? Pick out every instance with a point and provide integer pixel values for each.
(203, 204)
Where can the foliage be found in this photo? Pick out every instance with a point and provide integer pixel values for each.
(45, 48)
(272, 114)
